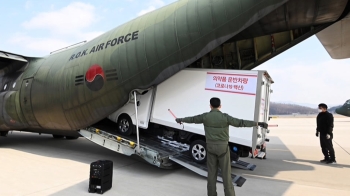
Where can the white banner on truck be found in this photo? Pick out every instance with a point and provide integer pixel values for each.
(231, 83)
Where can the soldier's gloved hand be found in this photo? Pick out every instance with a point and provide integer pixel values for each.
(178, 120)
(263, 125)
(316, 134)
(328, 136)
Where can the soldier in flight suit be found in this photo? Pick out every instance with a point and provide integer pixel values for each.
(216, 127)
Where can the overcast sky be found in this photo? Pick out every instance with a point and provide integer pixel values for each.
(303, 74)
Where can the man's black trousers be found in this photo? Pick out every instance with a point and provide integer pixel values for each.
(327, 147)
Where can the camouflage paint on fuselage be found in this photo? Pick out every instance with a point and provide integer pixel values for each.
(78, 87)
(344, 109)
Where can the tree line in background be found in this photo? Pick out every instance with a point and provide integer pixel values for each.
(288, 109)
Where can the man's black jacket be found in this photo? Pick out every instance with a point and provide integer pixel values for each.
(325, 123)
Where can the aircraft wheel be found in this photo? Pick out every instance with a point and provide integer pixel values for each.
(71, 138)
(57, 136)
(198, 151)
(125, 126)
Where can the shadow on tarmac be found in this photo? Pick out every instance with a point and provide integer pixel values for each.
(259, 182)
(323, 164)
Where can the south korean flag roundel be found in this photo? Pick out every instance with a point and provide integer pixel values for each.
(95, 78)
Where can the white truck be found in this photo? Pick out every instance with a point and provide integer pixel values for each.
(243, 94)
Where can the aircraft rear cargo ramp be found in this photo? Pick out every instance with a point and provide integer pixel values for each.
(154, 150)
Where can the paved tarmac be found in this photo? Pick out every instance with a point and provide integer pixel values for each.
(34, 165)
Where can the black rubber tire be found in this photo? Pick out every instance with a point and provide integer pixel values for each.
(57, 136)
(125, 126)
(196, 146)
(71, 138)
(234, 156)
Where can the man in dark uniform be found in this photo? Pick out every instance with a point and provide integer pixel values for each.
(216, 127)
(325, 131)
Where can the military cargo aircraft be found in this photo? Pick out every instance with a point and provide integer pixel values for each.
(81, 85)
(344, 110)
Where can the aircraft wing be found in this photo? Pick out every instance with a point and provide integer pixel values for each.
(10, 56)
(336, 39)
(10, 62)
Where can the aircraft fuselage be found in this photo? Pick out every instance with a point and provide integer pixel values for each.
(78, 87)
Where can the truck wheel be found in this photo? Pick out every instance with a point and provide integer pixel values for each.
(235, 152)
(234, 156)
(125, 126)
(198, 151)
(57, 136)
(71, 138)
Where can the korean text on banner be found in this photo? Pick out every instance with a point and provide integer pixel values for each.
(231, 83)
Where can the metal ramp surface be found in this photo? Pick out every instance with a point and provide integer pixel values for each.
(201, 169)
(151, 150)
(162, 146)
(243, 165)
(167, 148)
(158, 151)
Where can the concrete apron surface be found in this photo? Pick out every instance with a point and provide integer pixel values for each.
(33, 164)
